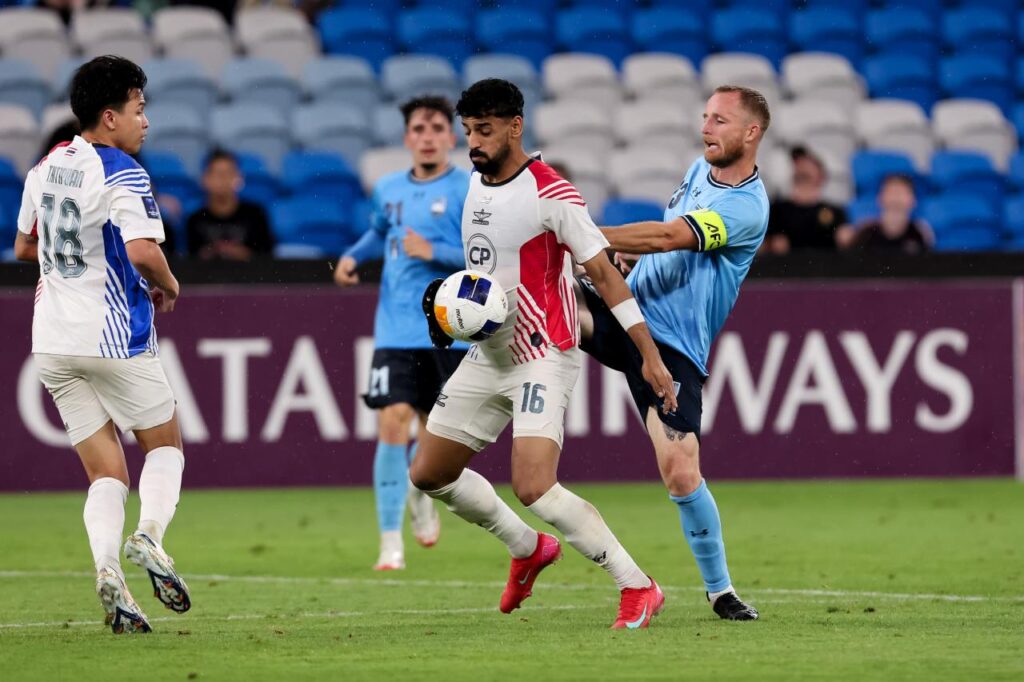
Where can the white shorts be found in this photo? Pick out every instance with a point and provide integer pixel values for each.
(477, 402)
(89, 392)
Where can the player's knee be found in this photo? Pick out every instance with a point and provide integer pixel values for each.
(424, 479)
(394, 422)
(682, 480)
(529, 492)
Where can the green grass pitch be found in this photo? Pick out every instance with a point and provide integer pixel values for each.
(919, 580)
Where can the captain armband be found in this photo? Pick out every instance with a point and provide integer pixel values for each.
(709, 228)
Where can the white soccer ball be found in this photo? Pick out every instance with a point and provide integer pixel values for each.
(470, 306)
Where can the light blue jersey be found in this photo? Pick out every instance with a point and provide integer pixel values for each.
(686, 296)
(432, 208)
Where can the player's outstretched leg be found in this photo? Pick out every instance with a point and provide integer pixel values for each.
(678, 460)
(533, 463)
(426, 522)
(123, 615)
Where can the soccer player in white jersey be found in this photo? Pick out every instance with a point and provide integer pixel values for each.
(686, 282)
(89, 218)
(525, 225)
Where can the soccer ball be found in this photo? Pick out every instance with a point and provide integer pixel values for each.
(470, 306)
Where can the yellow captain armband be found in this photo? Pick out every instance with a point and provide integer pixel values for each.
(709, 228)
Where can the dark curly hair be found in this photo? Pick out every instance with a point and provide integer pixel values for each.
(105, 82)
(490, 97)
(431, 103)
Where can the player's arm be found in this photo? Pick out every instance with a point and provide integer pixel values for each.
(26, 243)
(370, 246)
(732, 221)
(142, 229)
(652, 236)
(26, 247)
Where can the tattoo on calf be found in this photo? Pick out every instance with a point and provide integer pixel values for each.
(672, 434)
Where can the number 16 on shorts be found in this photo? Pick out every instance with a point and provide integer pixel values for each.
(533, 398)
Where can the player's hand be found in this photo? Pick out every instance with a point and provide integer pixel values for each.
(163, 300)
(415, 246)
(656, 374)
(345, 274)
(625, 261)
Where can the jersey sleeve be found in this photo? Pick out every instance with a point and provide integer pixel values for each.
(133, 207)
(732, 220)
(27, 213)
(568, 217)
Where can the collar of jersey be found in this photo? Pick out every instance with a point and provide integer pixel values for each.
(747, 181)
(514, 175)
(413, 178)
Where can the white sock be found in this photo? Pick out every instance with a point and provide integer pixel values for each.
(104, 522)
(713, 596)
(159, 489)
(391, 541)
(584, 529)
(472, 498)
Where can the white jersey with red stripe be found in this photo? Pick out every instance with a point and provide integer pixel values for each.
(525, 232)
(84, 201)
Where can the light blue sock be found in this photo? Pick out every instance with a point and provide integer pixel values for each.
(702, 528)
(390, 485)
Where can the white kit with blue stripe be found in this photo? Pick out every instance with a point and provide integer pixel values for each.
(84, 202)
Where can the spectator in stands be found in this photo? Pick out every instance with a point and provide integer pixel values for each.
(226, 227)
(805, 220)
(896, 229)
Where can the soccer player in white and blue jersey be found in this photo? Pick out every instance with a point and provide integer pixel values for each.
(416, 227)
(686, 281)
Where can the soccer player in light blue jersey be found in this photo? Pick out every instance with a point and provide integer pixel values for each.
(416, 227)
(686, 281)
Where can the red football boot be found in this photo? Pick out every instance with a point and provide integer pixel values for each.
(524, 571)
(638, 606)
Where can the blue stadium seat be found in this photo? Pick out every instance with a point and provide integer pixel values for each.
(978, 31)
(341, 79)
(1017, 119)
(908, 30)
(859, 7)
(388, 125)
(463, 7)
(357, 31)
(971, 172)
(443, 32)
(902, 76)
(22, 84)
(260, 185)
(320, 175)
(407, 75)
(253, 128)
(169, 176)
(978, 76)
(962, 223)
(514, 68)
(11, 187)
(1005, 7)
(749, 30)
(389, 7)
(675, 30)
(597, 32)
(831, 29)
(862, 208)
(260, 81)
(180, 130)
(780, 8)
(311, 222)
(1015, 174)
(624, 7)
(622, 211)
(523, 32)
(182, 81)
(871, 167)
(62, 78)
(333, 127)
(1013, 218)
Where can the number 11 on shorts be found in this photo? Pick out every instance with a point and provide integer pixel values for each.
(533, 401)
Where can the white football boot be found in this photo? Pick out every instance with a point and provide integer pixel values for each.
(392, 552)
(123, 614)
(168, 586)
(426, 522)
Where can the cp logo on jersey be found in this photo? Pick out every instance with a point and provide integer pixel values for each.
(481, 254)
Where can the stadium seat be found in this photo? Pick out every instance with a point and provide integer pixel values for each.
(322, 175)
(597, 32)
(178, 129)
(858, 7)
(750, 70)
(1015, 174)
(198, 33)
(910, 30)
(19, 137)
(22, 84)
(281, 34)
(871, 167)
(357, 31)
(254, 128)
(113, 30)
(311, 222)
(1017, 114)
(649, 123)
(623, 211)
(65, 72)
(978, 30)
(12, 184)
(54, 116)
(260, 186)
(381, 161)
(587, 171)
(442, 32)
(964, 171)
(582, 77)
(1013, 219)
(862, 209)
(897, 125)
(670, 30)
(514, 68)
(649, 174)
(819, 75)
(180, 81)
(962, 223)
(828, 29)
(260, 81)
(169, 176)
(900, 76)
(750, 30)
(975, 125)
(776, 170)
(576, 123)
(664, 77)
(388, 125)
(408, 75)
(839, 178)
(821, 125)
(35, 35)
(520, 31)
(347, 80)
(333, 127)
(978, 76)
(782, 8)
